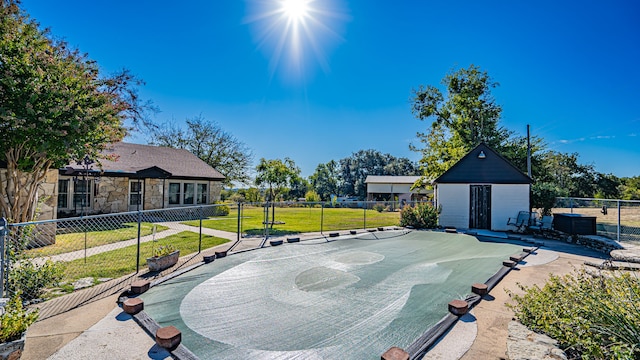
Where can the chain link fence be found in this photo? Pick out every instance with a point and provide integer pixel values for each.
(45, 260)
(615, 219)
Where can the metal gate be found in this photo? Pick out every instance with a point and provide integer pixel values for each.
(480, 207)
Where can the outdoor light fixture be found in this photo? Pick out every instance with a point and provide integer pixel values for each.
(481, 155)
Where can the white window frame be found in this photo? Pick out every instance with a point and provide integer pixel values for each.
(140, 193)
(71, 192)
(181, 192)
(65, 194)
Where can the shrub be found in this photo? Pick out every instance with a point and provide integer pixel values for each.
(543, 196)
(593, 317)
(379, 207)
(163, 250)
(220, 210)
(312, 196)
(31, 279)
(422, 216)
(15, 319)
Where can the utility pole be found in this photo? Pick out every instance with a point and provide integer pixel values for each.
(528, 152)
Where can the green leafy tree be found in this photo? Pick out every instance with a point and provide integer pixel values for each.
(607, 186)
(312, 196)
(298, 188)
(355, 169)
(543, 196)
(630, 188)
(464, 117)
(209, 142)
(251, 194)
(326, 180)
(54, 107)
(275, 175)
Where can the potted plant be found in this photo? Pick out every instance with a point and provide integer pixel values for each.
(14, 321)
(164, 256)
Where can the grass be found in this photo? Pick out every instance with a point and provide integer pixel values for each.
(302, 219)
(76, 241)
(120, 262)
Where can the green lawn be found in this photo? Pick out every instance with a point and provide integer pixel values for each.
(300, 220)
(120, 262)
(76, 241)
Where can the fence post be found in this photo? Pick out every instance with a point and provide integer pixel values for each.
(366, 205)
(3, 236)
(571, 204)
(239, 219)
(618, 237)
(321, 217)
(200, 235)
(138, 251)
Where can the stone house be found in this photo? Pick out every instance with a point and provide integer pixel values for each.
(140, 177)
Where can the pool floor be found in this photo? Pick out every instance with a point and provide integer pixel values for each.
(349, 298)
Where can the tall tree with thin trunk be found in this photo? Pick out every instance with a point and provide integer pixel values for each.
(54, 107)
(275, 175)
(208, 141)
(466, 116)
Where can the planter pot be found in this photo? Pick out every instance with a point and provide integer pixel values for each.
(12, 350)
(163, 262)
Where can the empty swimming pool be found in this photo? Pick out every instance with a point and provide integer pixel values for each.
(350, 298)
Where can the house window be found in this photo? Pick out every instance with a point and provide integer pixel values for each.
(188, 193)
(174, 193)
(202, 193)
(63, 194)
(81, 193)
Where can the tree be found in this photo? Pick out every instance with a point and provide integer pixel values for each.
(465, 117)
(275, 175)
(54, 107)
(355, 169)
(298, 187)
(325, 180)
(630, 188)
(209, 142)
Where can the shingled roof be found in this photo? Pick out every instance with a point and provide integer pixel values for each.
(152, 161)
(488, 168)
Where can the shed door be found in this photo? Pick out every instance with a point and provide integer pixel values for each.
(480, 207)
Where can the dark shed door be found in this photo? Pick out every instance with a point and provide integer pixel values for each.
(480, 207)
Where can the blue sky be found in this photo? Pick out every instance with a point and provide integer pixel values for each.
(568, 68)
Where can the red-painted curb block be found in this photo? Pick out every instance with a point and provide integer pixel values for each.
(458, 307)
(395, 353)
(133, 305)
(140, 286)
(480, 289)
(168, 337)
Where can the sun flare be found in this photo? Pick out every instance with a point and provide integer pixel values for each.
(295, 10)
(293, 32)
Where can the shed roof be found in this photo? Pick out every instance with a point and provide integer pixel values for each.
(153, 161)
(490, 169)
(389, 179)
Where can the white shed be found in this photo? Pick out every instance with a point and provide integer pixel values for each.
(481, 191)
(388, 187)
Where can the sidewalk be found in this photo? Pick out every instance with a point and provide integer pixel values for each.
(174, 228)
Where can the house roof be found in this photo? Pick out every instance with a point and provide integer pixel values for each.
(490, 169)
(388, 179)
(152, 161)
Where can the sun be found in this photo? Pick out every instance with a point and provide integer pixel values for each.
(295, 10)
(294, 32)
